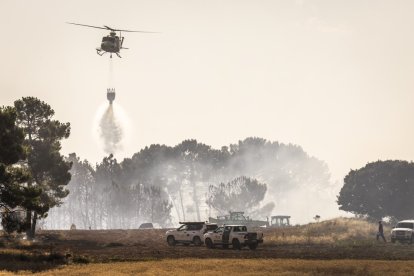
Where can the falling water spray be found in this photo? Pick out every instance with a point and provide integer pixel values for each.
(110, 131)
(112, 128)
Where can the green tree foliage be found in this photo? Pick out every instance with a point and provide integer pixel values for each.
(12, 194)
(380, 189)
(11, 137)
(242, 193)
(48, 169)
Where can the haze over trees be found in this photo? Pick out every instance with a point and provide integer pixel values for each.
(242, 193)
(163, 184)
(159, 184)
(380, 189)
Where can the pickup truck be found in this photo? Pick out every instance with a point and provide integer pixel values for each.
(235, 235)
(189, 233)
(403, 232)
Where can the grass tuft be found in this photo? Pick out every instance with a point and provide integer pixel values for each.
(333, 231)
(81, 259)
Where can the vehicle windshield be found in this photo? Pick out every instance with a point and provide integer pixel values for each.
(211, 227)
(195, 227)
(405, 225)
(182, 227)
(219, 229)
(190, 227)
(108, 38)
(240, 229)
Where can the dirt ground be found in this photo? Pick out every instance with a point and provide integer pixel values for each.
(150, 244)
(340, 239)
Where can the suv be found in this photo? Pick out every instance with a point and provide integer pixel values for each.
(234, 235)
(403, 231)
(189, 233)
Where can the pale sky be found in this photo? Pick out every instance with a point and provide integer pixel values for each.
(335, 77)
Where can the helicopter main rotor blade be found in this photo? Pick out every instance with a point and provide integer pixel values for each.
(129, 31)
(96, 27)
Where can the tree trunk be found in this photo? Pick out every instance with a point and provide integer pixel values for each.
(182, 203)
(195, 196)
(31, 220)
(28, 223)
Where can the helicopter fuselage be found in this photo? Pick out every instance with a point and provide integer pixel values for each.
(110, 43)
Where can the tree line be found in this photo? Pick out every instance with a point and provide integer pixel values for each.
(189, 181)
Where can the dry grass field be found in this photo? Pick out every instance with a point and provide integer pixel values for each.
(339, 246)
(234, 267)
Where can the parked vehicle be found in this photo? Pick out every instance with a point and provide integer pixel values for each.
(279, 221)
(403, 231)
(238, 218)
(146, 225)
(235, 235)
(189, 233)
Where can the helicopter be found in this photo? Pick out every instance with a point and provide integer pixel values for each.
(110, 43)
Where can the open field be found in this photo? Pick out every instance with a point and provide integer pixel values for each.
(236, 267)
(341, 241)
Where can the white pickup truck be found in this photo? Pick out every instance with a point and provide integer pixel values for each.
(235, 235)
(403, 231)
(189, 233)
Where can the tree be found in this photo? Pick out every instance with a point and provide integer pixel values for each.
(157, 209)
(11, 137)
(11, 177)
(79, 207)
(240, 194)
(48, 169)
(380, 189)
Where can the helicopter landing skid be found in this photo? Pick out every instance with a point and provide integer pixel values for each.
(99, 52)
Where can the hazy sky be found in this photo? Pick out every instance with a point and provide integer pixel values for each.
(335, 77)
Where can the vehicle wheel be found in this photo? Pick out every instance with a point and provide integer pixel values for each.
(253, 246)
(171, 241)
(209, 243)
(197, 241)
(236, 244)
(186, 244)
(392, 240)
(225, 246)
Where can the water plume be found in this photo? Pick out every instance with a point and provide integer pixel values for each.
(110, 131)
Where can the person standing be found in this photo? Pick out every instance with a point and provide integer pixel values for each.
(380, 231)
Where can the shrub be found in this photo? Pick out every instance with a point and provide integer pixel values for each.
(13, 222)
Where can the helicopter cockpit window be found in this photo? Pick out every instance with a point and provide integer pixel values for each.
(107, 38)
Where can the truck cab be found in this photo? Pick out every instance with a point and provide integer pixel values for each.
(403, 231)
(235, 235)
(189, 233)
